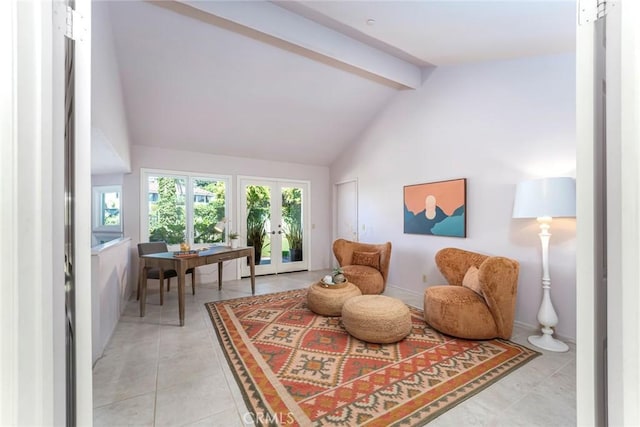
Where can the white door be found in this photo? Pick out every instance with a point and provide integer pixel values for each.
(346, 226)
(274, 218)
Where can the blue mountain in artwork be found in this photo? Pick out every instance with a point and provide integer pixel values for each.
(441, 225)
(451, 226)
(419, 223)
(459, 211)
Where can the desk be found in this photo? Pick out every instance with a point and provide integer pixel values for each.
(166, 261)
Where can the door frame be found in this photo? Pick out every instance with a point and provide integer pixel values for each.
(623, 348)
(335, 208)
(32, 366)
(306, 221)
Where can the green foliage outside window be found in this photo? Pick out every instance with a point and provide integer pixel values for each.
(258, 208)
(207, 215)
(292, 204)
(292, 216)
(167, 222)
(167, 218)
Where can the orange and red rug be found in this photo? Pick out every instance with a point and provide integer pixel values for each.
(298, 368)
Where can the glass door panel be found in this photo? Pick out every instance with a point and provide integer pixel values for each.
(292, 224)
(257, 222)
(273, 214)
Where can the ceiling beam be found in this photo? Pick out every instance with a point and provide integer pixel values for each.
(272, 23)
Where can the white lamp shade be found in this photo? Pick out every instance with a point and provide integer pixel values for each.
(220, 225)
(552, 197)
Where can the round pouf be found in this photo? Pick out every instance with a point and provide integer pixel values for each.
(327, 300)
(376, 318)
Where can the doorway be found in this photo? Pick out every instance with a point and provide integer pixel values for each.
(274, 220)
(346, 202)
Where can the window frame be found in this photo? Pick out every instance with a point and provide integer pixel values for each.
(97, 211)
(189, 177)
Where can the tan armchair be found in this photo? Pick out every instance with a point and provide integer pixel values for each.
(365, 265)
(484, 313)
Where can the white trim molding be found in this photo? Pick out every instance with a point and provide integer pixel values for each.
(27, 363)
(585, 201)
(8, 214)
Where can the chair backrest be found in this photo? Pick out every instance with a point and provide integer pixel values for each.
(151, 248)
(453, 263)
(498, 277)
(344, 249)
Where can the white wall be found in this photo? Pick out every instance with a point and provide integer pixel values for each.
(494, 123)
(157, 158)
(113, 179)
(110, 290)
(110, 135)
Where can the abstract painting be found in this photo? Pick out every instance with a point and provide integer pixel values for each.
(436, 208)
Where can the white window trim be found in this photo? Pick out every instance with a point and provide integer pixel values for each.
(97, 208)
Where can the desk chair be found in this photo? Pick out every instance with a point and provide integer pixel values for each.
(157, 273)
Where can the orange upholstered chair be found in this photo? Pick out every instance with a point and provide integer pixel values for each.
(365, 265)
(480, 300)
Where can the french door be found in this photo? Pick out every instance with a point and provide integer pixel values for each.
(274, 220)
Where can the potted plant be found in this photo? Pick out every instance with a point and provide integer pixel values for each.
(256, 236)
(338, 275)
(293, 234)
(233, 239)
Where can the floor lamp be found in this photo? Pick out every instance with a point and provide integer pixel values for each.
(220, 226)
(545, 199)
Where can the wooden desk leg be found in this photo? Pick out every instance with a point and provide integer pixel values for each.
(252, 267)
(220, 275)
(140, 271)
(143, 290)
(181, 279)
(161, 280)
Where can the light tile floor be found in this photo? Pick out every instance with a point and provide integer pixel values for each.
(154, 372)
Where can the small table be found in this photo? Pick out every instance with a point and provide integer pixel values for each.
(167, 261)
(327, 300)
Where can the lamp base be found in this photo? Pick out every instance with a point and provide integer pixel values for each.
(547, 342)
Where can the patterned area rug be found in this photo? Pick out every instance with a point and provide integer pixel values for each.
(297, 368)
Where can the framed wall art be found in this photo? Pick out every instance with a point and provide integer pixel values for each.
(436, 208)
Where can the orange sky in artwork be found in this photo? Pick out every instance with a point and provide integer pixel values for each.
(449, 195)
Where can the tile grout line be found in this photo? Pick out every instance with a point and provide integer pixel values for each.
(155, 399)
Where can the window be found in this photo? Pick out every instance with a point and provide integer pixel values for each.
(182, 207)
(107, 208)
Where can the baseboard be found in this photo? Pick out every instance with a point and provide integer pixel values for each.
(405, 290)
(535, 328)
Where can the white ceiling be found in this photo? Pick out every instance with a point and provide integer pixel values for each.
(299, 81)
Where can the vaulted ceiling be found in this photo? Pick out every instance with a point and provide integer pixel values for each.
(298, 81)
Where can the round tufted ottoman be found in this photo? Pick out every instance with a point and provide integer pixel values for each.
(376, 318)
(327, 300)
